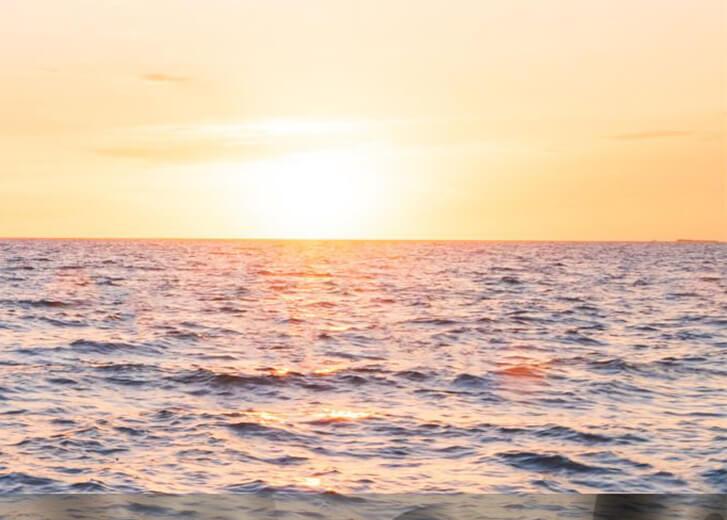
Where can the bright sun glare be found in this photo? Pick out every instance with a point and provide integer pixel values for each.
(319, 194)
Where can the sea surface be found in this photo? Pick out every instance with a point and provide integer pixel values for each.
(362, 367)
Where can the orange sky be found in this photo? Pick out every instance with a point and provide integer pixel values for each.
(508, 119)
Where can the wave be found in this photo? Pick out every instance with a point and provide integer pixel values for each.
(268, 433)
(16, 482)
(40, 303)
(109, 347)
(550, 463)
(581, 437)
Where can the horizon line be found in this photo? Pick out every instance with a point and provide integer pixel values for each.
(296, 239)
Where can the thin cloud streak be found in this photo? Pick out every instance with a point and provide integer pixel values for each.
(265, 137)
(252, 140)
(160, 77)
(203, 151)
(650, 134)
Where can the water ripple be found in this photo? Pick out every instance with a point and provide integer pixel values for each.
(203, 366)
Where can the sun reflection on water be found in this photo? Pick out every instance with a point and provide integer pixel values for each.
(327, 371)
(279, 372)
(312, 482)
(338, 415)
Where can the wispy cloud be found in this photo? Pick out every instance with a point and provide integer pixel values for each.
(254, 139)
(221, 141)
(160, 77)
(650, 134)
(172, 152)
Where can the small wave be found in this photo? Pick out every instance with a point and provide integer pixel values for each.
(18, 411)
(717, 478)
(616, 387)
(229, 309)
(710, 279)
(469, 380)
(685, 294)
(551, 463)
(552, 487)
(211, 377)
(41, 303)
(104, 347)
(111, 281)
(511, 280)
(413, 375)
(258, 487)
(122, 368)
(522, 317)
(570, 434)
(63, 323)
(355, 357)
(286, 460)
(586, 308)
(152, 510)
(186, 335)
(575, 336)
(334, 417)
(65, 381)
(440, 322)
(614, 366)
(24, 483)
(89, 486)
(383, 301)
(687, 365)
(269, 433)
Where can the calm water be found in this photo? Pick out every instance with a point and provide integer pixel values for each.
(183, 366)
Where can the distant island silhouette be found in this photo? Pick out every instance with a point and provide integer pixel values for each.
(697, 241)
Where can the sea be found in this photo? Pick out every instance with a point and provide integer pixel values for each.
(353, 369)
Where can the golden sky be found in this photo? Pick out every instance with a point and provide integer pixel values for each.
(482, 119)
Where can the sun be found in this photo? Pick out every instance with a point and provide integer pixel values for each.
(324, 194)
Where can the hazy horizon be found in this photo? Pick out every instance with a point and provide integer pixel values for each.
(333, 239)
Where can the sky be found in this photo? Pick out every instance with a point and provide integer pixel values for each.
(391, 119)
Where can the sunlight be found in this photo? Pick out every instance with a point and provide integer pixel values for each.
(332, 416)
(330, 193)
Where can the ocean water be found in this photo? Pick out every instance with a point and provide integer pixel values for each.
(362, 367)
